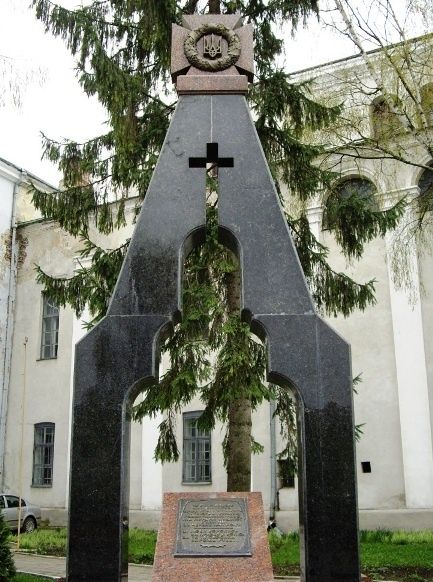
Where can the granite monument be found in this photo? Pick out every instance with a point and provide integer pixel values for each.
(212, 65)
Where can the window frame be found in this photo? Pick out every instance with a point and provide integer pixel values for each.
(197, 439)
(40, 467)
(7, 498)
(286, 473)
(385, 121)
(341, 190)
(425, 186)
(47, 331)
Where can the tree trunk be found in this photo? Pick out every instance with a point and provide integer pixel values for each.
(190, 7)
(238, 449)
(214, 7)
(239, 446)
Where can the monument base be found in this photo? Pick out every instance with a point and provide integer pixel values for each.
(201, 544)
(209, 85)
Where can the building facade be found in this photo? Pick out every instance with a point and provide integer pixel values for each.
(392, 349)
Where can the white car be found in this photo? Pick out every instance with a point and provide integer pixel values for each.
(30, 514)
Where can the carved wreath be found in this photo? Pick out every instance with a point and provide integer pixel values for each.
(233, 54)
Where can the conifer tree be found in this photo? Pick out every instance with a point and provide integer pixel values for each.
(122, 49)
(7, 566)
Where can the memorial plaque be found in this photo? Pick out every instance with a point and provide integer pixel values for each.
(213, 527)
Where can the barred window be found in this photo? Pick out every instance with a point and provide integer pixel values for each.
(196, 450)
(427, 101)
(50, 328)
(286, 472)
(43, 454)
(425, 184)
(387, 119)
(351, 188)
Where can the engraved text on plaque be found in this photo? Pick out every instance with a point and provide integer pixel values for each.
(212, 527)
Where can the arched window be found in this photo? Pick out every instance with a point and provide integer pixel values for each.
(385, 121)
(356, 187)
(426, 92)
(425, 185)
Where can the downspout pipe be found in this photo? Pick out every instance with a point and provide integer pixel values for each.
(273, 459)
(9, 327)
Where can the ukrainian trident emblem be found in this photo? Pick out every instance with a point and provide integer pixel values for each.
(212, 46)
(212, 59)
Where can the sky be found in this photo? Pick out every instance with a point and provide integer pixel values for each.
(54, 103)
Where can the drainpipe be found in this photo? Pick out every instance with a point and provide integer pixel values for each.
(273, 447)
(9, 330)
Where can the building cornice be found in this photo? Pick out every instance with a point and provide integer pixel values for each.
(16, 174)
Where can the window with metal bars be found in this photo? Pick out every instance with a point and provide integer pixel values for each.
(355, 187)
(50, 328)
(43, 455)
(196, 451)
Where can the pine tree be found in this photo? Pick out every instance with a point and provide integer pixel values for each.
(7, 566)
(122, 50)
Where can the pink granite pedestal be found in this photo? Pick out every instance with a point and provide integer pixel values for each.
(254, 568)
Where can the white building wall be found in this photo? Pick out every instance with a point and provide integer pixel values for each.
(7, 201)
(412, 381)
(40, 389)
(45, 386)
(426, 299)
(370, 335)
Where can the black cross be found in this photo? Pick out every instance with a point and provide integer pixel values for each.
(211, 158)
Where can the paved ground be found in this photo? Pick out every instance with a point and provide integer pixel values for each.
(56, 567)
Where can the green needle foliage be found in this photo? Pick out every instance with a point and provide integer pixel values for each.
(122, 51)
(7, 566)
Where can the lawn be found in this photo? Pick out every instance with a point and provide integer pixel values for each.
(29, 578)
(52, 542)
(385, 555)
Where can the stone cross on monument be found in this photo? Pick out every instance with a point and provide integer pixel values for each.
(212, 64)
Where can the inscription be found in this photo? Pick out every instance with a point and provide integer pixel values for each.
(212, 527)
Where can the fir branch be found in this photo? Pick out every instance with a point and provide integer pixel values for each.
(90, 286)
(355, 221)
(332, 292)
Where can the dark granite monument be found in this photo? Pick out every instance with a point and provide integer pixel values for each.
(212, 65)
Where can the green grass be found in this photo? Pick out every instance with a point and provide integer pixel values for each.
(379, 549)
(50, 542)
(53, 542)
(284, 549)
(28, 578)
(397, 537)
(141, 547)
(380, 555)
(384, 548)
